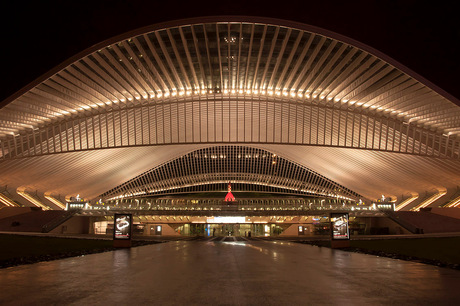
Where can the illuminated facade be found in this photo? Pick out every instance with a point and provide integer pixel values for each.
(126, 112)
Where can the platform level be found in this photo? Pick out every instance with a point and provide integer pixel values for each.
(229, 273)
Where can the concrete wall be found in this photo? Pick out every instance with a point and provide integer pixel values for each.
(167, 230)
(379, 224)
(293, 230)
(373, 225)
(6, 212)
(75, 225)
(453, 212)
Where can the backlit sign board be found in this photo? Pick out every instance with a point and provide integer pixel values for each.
(122, 226)
(158, 230)
(300, 230)
(226, 220)
(339, 226)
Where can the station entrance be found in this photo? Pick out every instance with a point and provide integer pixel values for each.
(229, 229)
(213, 217)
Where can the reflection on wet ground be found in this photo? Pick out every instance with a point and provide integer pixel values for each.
(229, 273)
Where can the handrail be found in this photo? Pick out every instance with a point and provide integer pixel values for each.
(408, 226)
(48, 227)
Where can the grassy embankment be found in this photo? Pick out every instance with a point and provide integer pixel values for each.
(443, 250)
(17, 249)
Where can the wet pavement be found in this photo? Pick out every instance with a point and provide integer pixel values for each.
(229, 273)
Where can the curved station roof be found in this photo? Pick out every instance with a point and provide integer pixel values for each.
(130, 114)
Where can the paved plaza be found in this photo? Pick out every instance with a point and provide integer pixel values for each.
(229, 273)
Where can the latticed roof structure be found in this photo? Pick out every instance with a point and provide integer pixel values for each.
(145, 99)
(207, 169)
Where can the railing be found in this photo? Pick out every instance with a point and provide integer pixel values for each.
(236, 207)
(58, 221)
(408, 226)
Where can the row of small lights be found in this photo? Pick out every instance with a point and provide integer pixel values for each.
(171, 188)
(292, 93)
(241, 91)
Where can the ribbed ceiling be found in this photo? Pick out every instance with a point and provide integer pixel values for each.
(217, 82)
(245, 59)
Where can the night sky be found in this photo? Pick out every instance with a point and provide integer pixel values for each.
(38, 35)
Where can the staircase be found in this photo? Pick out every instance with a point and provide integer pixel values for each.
(48, 227)
(396, 217)
(425, 222)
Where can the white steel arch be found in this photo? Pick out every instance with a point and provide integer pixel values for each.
(236, 80)
(232, 119)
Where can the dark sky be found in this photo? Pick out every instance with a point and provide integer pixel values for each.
(38, 35)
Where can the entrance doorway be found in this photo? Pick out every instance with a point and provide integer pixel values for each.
(229, 229)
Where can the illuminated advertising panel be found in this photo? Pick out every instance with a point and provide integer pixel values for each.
(158, 230)
(226, 220)
(122, 226)
(339, 226)
(300, 230)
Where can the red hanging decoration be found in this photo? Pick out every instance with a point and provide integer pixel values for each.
(229, 197)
